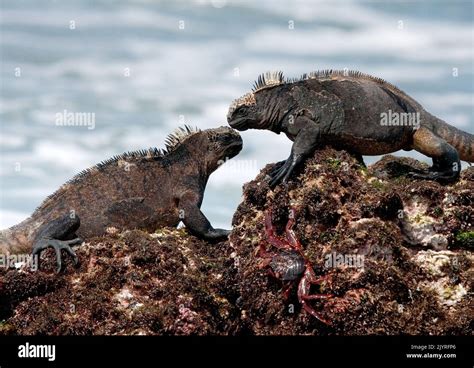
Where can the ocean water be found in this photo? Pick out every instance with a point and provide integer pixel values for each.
(145, 67)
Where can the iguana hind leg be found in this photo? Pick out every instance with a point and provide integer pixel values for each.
(446, 165)
(59, 234)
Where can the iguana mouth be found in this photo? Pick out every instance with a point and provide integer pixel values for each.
(240, 123)
(234, 148)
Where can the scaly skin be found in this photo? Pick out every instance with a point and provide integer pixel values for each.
(138, 190)
(345, 110)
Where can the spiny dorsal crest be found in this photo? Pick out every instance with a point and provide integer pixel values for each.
(265, 80)
(328, 73)
(172, 142)
(246, 100)
(179, 136)
(268, 79)
(276, 78)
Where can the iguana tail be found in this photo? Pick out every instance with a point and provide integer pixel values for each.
(462, 141)
(17, 239)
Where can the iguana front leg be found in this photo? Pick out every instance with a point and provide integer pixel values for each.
(194, 219)
(59, 234)
(307, 134)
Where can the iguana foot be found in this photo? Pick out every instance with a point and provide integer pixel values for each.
(277, 175)
(59, 234)
(58, 245)
(275, 168)
(282, 174)
(217, 234)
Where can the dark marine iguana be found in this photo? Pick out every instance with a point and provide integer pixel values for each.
(351, 111)
(143, 189)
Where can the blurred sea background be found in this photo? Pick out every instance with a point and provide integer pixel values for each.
(146, 67)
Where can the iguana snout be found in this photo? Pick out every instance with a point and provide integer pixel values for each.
(243, 118)
(224, 143)
(244, 113)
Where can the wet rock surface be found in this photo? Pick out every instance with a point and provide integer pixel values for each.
(397, 252)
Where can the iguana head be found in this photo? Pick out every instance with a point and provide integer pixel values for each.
(257, 109)
(210, 146)
(218, 145)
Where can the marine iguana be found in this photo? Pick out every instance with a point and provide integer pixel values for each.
(349, 110)
(142, 189)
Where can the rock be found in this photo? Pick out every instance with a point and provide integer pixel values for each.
(398, 253)
(378, 234)
(167, 283)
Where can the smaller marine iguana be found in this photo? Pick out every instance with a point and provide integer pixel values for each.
(143, 189)
(347, 110)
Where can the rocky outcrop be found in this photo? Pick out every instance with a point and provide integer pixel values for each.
(167, 283)
(397, 252)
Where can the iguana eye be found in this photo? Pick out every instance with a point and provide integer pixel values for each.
(228, 139)
(242, 110)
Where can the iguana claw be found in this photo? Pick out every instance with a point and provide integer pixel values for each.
(58, 245)
(281, 174)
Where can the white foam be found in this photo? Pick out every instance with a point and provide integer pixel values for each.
(128, 17)
(65, 154)
(12, 141)
(422, 44)
(447, 100)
